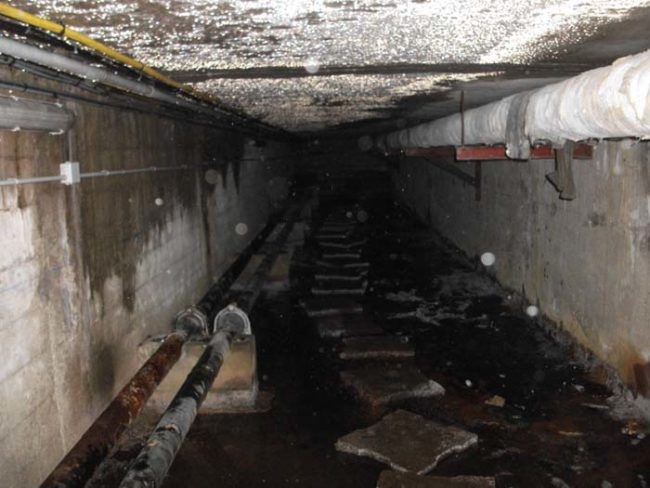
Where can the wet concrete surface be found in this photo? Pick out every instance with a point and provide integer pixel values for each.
(554, 428)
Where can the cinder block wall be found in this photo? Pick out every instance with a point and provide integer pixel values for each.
(585, 262)
(89, 271)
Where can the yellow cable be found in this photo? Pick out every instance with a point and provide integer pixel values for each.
(65, 32)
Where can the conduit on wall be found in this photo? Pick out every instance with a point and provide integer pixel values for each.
(59, 62)
(70, 174)
(602, 103)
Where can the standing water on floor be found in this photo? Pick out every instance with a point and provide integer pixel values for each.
(539, 416)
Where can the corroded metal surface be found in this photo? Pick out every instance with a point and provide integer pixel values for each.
(80, 463)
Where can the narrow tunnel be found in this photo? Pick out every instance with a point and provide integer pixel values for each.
(355, 243)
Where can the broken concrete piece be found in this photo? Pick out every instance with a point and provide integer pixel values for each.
(385, 347)
(407, 442)
(330, 306)
(396, 479)
(387, 385)
(336, 327)
(496, 401)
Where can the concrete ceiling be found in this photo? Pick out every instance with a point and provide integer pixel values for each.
(308, 65)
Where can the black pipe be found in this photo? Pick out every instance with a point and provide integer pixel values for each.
(154, 460)
(82, 460)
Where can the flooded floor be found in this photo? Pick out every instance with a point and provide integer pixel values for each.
(546, 421)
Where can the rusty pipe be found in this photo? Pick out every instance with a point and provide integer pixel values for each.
(150, 467)
(79, 464)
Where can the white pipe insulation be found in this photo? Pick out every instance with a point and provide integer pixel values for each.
(602, 103)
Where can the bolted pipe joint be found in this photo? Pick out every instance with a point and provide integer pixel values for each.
(234, 320)
(192, 322)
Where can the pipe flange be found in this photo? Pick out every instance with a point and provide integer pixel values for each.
(234, 319)
(192, 321)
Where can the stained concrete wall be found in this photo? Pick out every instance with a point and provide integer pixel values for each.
(89, 271)
(585, 262)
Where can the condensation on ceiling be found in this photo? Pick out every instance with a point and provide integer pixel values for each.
(201, 35)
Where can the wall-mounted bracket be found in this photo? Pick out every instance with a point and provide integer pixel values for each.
(562, 177)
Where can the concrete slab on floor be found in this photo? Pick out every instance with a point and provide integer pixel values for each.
(344, 274)
(336, 327)
(330, 306)
(385, 385)
(244, 278)
(278, 278)
(337, 228)
(407, 442)
(352, 256)
(376, 347)
(333, 288)
(344, 246)
(333, 236)
(397, 479)
(336, 282)
(234, 389)
(344, 261)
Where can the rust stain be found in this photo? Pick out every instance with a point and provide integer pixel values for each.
(642, 379)
(80, 463)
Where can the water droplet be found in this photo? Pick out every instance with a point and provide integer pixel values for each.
(532, 311)
(362, 216)
(312, 65)
(488, 259)
(212, 176)
(241, 229)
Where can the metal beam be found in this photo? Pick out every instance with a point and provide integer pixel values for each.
(498, 153)
(488, 153)
(277, 72)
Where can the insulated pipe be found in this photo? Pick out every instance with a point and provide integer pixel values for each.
(153, 462)
(59, 62)
(151, 465)
(612, 101)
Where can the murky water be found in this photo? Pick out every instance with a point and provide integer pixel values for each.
(553, 429)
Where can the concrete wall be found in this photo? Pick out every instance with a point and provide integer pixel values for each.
(87, 272)
(585, 262)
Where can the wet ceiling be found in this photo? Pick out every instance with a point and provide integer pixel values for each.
(308, 65)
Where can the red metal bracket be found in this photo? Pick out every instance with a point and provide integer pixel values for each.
(498, 153)
(489, 153)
